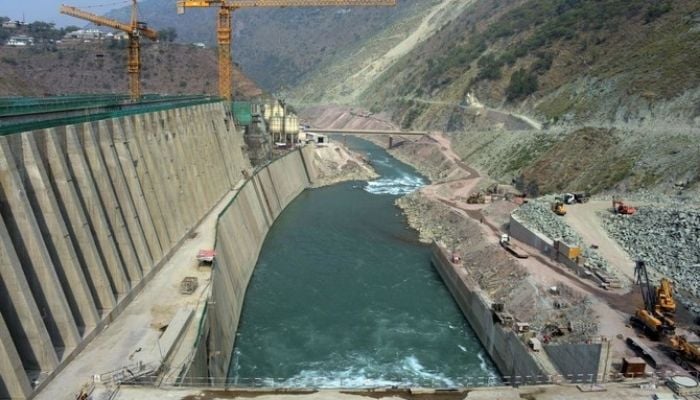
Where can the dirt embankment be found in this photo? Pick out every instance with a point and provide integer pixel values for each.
(335, 163)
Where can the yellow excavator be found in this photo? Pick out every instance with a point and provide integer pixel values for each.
(558, 208)
(656, 319)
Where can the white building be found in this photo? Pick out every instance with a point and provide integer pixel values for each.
(85, 35)
(20, 41)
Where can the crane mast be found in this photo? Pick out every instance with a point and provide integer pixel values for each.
(225, 32)
(134, 30)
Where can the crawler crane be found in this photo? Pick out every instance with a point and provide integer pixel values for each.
(656, 319)
(224, 29)
(135, 30)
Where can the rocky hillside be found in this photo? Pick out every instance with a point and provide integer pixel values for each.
(550, 94)
(92, 68)
(276, 47)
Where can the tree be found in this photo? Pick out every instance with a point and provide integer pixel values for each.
(522, 84)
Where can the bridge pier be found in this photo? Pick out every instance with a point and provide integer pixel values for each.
(391, 142)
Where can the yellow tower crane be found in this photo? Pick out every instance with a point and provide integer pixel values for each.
(224, 31)
(135, 30)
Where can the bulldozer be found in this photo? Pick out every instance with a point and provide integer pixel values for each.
(685, 349)
(619, 207)
(558, 208)
(656, 319)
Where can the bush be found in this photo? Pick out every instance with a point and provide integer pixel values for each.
(656, 10)
(522, 84)
(489, 68)
(8, 60)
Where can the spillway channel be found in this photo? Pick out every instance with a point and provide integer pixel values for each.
(344, 296)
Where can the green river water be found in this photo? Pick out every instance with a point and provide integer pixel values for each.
(344, 296)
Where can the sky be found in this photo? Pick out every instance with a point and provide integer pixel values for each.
(47, 10)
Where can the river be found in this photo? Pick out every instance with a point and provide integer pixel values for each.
(344, 296)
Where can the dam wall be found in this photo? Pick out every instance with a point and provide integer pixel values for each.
(504, 346)
(89, 213)
(241, 231)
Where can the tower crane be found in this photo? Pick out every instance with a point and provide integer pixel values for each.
(224, 24)
(135, 30)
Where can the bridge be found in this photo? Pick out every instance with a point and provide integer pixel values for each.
(367, 132)
(389, 133)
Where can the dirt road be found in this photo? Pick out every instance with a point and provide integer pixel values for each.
(585, 220)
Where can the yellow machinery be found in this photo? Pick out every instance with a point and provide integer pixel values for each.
(224, 29)
(657, 316)
(135, 30)
(688, 350)
(558, 208)
(664, 297)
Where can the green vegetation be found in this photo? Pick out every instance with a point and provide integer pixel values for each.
(522, 84)
(167, 35)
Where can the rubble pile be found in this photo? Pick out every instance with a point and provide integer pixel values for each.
(667, 239)
(538, 216)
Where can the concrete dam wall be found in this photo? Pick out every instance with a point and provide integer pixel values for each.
(241, 231)
(88, 214)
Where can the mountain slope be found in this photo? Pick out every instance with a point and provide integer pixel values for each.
(277, 47)
(167, 69)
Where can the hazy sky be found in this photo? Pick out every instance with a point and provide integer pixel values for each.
(47, 10)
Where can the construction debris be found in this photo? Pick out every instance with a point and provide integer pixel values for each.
(188, 285)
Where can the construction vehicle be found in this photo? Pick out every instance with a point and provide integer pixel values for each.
(573, 198)
(619, 207)
(651, 319)
(558, 208)
(225, 18)
(134, 30)
(664, 297)
(512, 248)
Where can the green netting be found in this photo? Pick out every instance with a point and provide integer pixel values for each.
(242, 112)
(159, 104)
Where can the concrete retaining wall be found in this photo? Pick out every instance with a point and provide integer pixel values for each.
(506, 349)
(241, 231)
(88, 213)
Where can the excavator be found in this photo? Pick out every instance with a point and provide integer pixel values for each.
(619, 207)
(656, 319)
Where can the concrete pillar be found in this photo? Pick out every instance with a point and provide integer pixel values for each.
(126, 162)
(164, 142)
(202, 138)
(154, 199)
(111, 206)
(76, 221)
(173, 136)
(217, 135)
(20, 311)
(33, 255)
(144, 135)
(123, 195)
(99, 225)
(190, 156)
(222, 133)
(14, 383)
(56, 237)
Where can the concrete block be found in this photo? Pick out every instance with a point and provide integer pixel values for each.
(99, 224)
(126, 162)
(76, 221)
(20, 311)
(14, 383)
(156, 200)
(123, 196)
(33, 254)
(56, 237)
(111, 206)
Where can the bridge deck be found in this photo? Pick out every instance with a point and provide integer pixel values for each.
(367, 132)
